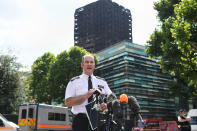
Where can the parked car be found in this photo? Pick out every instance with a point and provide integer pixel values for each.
(6, 125)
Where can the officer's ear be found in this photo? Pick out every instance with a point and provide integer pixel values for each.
(82, 65)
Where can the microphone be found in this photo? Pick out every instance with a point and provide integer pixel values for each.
(117, 110)
(135, 107)
(124, 101)
(111, 97)
(123, 98)
(97, 93)
(113, 105)
(133, 104)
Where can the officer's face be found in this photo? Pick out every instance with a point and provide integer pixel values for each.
(88, 65)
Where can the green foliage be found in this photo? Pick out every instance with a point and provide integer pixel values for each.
(176, 42)
(165, 8)
(66, 66)
(9, 84)
(184, 31)
(154, 48)
(58, 76)
(39, 83)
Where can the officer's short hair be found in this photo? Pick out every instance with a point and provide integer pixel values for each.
(83, 57)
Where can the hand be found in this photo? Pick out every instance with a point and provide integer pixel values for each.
(90, 92)
(188, 119)
(99, 91)
(103, 106)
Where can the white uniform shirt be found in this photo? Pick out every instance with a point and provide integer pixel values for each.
(78, 86)
(179, 117)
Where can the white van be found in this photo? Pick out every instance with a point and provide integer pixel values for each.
(193, 115)
(42, 117)
(6, 125)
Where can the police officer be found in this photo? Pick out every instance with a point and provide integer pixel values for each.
(183, 121)
(80, 90)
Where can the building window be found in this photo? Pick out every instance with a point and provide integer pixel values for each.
(30, 113)
(56, 116)
(24, 111)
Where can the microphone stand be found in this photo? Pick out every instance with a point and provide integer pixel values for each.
(124, 109)
(97, 109)
(109, 120)
(140, 117)
(97, 120)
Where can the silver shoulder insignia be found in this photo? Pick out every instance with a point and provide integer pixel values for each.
(100, 78)
(74, 78)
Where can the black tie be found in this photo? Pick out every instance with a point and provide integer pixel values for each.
(90, 87)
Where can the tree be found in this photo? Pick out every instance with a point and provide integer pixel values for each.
(39, 78)
(184, 31)
(175, 42)
(9, 84)
(59, 75)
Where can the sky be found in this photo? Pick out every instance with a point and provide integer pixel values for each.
(30, 28)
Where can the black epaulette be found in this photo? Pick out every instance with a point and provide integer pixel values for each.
(74, 78)
(100, 78)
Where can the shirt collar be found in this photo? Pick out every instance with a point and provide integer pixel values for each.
(86, 76)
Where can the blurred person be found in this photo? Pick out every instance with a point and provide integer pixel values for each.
(183, 121)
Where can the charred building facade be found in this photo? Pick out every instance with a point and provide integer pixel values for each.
(101, 24)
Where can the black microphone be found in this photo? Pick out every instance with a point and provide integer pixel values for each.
(117, 111)
(111, 97)
(113, 106)
(99, 90)
(135, 107)
(133, 104)
(97, 93)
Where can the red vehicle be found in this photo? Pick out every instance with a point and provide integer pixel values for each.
(168, 126)
(151, 124)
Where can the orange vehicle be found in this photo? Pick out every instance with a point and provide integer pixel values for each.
(151, 124)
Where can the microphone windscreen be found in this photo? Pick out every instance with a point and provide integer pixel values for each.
(111, 97)
(123, 98)
(117, 109)
(133, 104)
